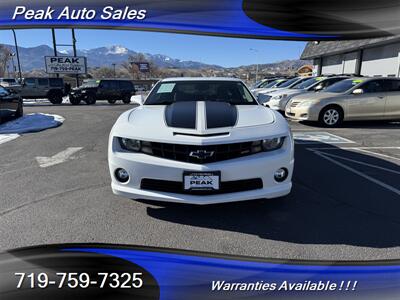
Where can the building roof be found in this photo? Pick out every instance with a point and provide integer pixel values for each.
(324, 48)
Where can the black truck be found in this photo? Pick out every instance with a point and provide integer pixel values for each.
(103, 89)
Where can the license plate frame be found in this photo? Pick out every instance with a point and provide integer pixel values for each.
(214, 176)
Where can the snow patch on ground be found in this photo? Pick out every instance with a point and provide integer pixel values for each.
(30, 123)
(29, 102)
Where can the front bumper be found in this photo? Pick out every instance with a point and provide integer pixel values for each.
(302, 113)
(262, 165)
(80, 96)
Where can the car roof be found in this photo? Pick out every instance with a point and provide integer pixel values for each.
(201, 79)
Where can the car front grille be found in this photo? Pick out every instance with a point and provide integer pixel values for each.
(200, 154)
(225, 186)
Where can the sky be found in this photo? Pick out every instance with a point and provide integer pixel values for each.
(227, 52)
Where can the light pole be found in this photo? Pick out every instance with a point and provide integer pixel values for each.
(13, 65)
(113, 64)
(255, 50)
(17, 52)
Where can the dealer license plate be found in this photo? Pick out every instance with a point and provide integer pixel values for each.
(201, 180)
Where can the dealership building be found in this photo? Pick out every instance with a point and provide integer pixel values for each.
(367, 57)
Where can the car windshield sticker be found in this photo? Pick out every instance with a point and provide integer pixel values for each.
(166, 88)
(357, 81)
(319, 78)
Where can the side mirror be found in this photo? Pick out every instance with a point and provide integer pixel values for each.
(358, 92)
(12, 91)
(137, 99)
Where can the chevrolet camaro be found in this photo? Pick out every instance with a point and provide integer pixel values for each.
(200, 141)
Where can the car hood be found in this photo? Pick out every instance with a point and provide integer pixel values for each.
(286, 92)
(86, 88)
(265, 91)
(199, 122)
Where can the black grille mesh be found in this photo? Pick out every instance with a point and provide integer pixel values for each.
(181, 152)
(225, 186)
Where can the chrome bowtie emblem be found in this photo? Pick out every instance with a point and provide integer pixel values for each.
(201, 154)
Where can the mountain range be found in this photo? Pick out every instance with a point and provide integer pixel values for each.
(33, 57)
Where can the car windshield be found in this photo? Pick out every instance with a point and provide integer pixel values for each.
(233, 92)
(289, 82)
(343, 85)
(274, 83)
(307, 83)
(90, 83)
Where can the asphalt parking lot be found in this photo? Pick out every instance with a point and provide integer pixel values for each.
(344, 205)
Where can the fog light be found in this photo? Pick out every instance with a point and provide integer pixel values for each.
(121, 175)
(281, 174)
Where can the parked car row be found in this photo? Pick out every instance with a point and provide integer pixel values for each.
(330, 100)
(54, 89)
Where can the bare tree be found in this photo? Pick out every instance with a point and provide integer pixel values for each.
(4, 57)
(103, 72)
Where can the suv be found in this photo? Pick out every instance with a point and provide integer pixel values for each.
(8, 82)
(39, 87)
(103, 89)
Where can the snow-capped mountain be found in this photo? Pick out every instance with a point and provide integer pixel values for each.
(33, 57)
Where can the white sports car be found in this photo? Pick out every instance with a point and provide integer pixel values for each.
(200, 141)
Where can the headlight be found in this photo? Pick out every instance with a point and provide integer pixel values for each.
(272, 144)
(130, 145)
(305, 103)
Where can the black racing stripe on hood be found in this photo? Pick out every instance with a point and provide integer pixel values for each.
(220, 114)
(181, 114)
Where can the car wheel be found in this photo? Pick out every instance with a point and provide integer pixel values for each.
(112, 101)
(74, 101)
(331, 116)
(20, 110)
(91, 99)
(55, 98)
(127, 99)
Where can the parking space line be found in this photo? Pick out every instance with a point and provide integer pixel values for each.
(361, 163)
(355, 148)
(379, 154)
(315, 137)
(376, 181)
(361, 149)
(4, 138)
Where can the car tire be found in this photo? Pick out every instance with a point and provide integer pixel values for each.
(112, 101)
(55, 97)
(90, 100)
(127, 99)
(74, 101)
(331, 116)
(20, 110)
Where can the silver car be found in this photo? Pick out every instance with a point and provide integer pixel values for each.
(277, 100)
(350, 99)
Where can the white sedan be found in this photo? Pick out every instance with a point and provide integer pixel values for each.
(200, 141)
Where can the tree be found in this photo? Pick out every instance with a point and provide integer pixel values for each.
(4, 57)
(103, 72)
